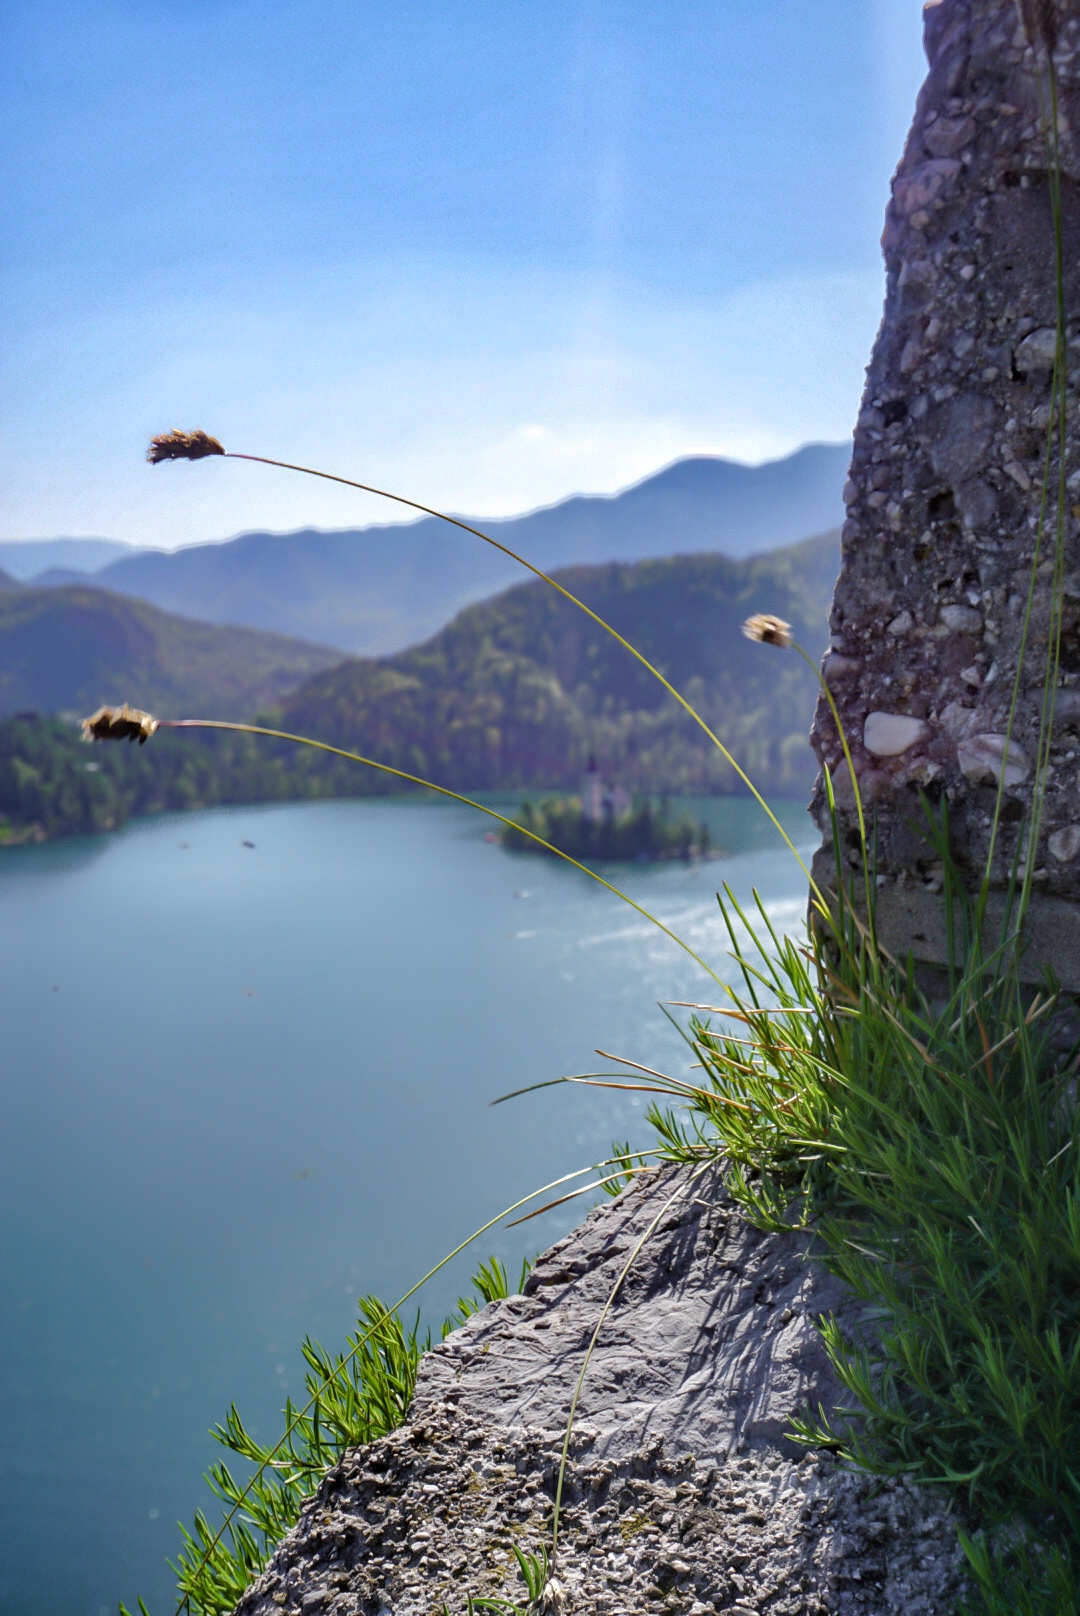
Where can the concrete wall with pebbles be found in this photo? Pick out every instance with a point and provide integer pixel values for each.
(943, 495)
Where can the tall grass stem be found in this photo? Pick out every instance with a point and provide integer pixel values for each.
(455, 796)
(538, 572)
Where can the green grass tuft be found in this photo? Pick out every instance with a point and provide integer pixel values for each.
(355, 1396)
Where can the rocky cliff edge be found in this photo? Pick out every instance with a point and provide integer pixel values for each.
(683, 1493)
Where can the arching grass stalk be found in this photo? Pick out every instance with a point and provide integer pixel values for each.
(611, 1183)
(443, 791)
(199, 445)
(184, 1604)
(769, 1082)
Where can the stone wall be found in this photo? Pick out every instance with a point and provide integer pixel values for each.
(943, 496)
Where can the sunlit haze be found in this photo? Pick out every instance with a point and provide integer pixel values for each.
(488, 254)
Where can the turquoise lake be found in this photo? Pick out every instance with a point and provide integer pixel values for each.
(243, 1085)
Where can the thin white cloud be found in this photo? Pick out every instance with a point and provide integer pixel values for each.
(463, 385)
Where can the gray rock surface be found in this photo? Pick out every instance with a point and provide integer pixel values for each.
(943, 495)
(683, 1493)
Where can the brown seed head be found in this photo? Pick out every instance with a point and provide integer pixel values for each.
(119, 724)
(183, 446)
(768, 630)
(1041, 22)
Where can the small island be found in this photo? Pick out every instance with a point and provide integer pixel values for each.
(607, 825)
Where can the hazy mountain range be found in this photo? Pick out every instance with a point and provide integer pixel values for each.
(377, 590)
(24, 559)
(69, 650)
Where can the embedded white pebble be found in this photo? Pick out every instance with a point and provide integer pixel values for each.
(992, 758)
(889, 734)
(839, 667)
(1037, 351)
(961, 619)
(1064, 844)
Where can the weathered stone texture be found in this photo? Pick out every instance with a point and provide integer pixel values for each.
(683, 1494)
(943, 497)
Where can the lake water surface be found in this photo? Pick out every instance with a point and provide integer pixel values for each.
(242, 1085)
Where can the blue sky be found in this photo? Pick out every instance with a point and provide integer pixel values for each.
(487, 252)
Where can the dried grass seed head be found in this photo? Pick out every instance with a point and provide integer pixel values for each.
(119, 724)
(177, 445)
(768, 630)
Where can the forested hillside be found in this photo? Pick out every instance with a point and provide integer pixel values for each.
(69, 650)
(51, 784)
(520, 690)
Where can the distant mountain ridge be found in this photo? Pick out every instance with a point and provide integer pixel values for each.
(377, 590)
(25, 559)
(70, 650)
